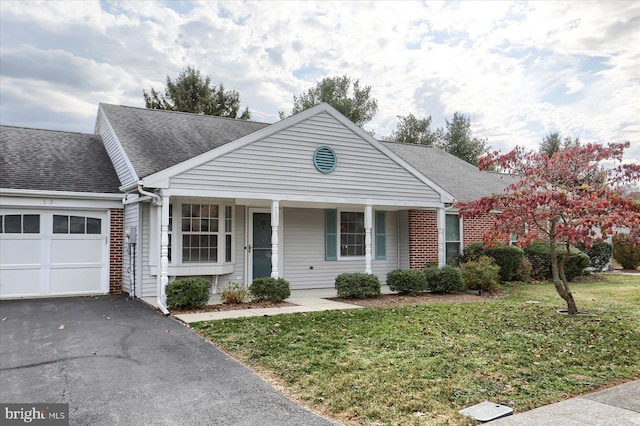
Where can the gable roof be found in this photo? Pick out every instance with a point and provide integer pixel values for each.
(268, 130)
(155, 140)
(51, 160)
(463, 180)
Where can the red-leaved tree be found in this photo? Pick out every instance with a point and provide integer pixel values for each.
(567, 199)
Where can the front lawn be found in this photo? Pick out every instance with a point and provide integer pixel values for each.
(421, 364)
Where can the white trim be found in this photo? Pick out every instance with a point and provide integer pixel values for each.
(284, 198)
(114, 199)
(161, 178)
(119, 146)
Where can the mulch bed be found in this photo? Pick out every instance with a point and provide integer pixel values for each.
(400, 300)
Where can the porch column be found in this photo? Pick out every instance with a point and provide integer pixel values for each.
(164, 247)
(368, 222)
(442, 256)
(275, 221)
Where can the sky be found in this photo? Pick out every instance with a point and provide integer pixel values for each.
(519, 70)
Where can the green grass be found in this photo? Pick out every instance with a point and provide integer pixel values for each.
(421, 364)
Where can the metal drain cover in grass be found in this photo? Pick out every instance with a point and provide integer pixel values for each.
(487, 411)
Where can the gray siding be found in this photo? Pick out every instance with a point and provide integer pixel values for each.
(304, 264)
(239, 236)
(282, 164)
(114, 149)
(147, 281)
(131, 219)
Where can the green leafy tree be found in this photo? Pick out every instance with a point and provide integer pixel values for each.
(459, 141)
(355, 102)
(417, 131)
(190, 92)
(553, 143)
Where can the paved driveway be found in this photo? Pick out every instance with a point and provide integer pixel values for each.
(117, 362)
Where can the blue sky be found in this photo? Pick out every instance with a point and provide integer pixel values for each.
(519, 69)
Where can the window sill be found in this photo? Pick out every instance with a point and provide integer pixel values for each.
(190, 269)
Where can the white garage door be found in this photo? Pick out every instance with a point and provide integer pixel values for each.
(53, 253)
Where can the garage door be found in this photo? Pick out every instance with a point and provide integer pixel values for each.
(53, 253)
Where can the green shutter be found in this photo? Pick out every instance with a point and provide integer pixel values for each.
(330, 234)
(381, 235)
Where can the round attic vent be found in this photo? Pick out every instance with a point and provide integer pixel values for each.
(325, 159)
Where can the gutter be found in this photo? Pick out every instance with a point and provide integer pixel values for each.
(157, 201)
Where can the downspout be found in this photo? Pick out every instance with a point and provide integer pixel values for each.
(157, 201)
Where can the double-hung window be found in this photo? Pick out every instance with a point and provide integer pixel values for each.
(452, 236)
(199, 226)
(352, 234)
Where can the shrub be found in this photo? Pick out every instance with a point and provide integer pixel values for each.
(407, 281)
(482, 274)
(271, 289)
(444, 280)
(510, 259)
(358, 285)
(625, 252)
(188, 293)
(599, 255)
(472, 253)
(235, 293)
(540, 259)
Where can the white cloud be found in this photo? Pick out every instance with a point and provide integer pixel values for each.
(520, 69)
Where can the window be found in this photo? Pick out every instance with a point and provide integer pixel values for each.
(20, 224)
(452, 237)
(199, 233)
(76, 225)
(381, 235)
(228, 226)
(352, 234)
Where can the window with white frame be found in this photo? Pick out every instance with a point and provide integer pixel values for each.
(20, 224)
(199, 226)
(452, 238)
(228, 233)
(352, 234)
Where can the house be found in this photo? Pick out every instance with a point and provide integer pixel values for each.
(306, 198)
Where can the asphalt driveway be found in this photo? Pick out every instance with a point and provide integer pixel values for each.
(118, 362)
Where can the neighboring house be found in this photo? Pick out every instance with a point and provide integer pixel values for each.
(306, 198)
(60, 215)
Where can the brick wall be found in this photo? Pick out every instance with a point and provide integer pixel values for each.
(474, 229)
(116, 251)
(423, 238)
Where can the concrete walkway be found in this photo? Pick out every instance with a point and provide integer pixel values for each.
(619, 405)
(302, 304)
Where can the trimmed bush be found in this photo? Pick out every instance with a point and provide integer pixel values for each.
(234, 293)
(483, 274)
(599, 255)
(472, 253)
(407, 281)
(625, 252)
(510, 259)
(188, 293)
(271, 289)
(540, 259)
(358, 285)
(444, 280)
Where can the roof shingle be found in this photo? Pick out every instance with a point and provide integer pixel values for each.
(155, 140)
(51, 160)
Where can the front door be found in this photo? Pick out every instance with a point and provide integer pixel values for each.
(260, 247)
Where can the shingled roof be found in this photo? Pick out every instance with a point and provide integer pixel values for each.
(462, 180)
(51, 160)
(155, 140)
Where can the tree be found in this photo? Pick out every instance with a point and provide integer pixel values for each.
(355, 104)
(568, 199)
(459, 141)
(412, 130)
(192, 93)
(553, 143)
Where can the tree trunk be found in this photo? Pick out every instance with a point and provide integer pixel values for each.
(559, 278)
